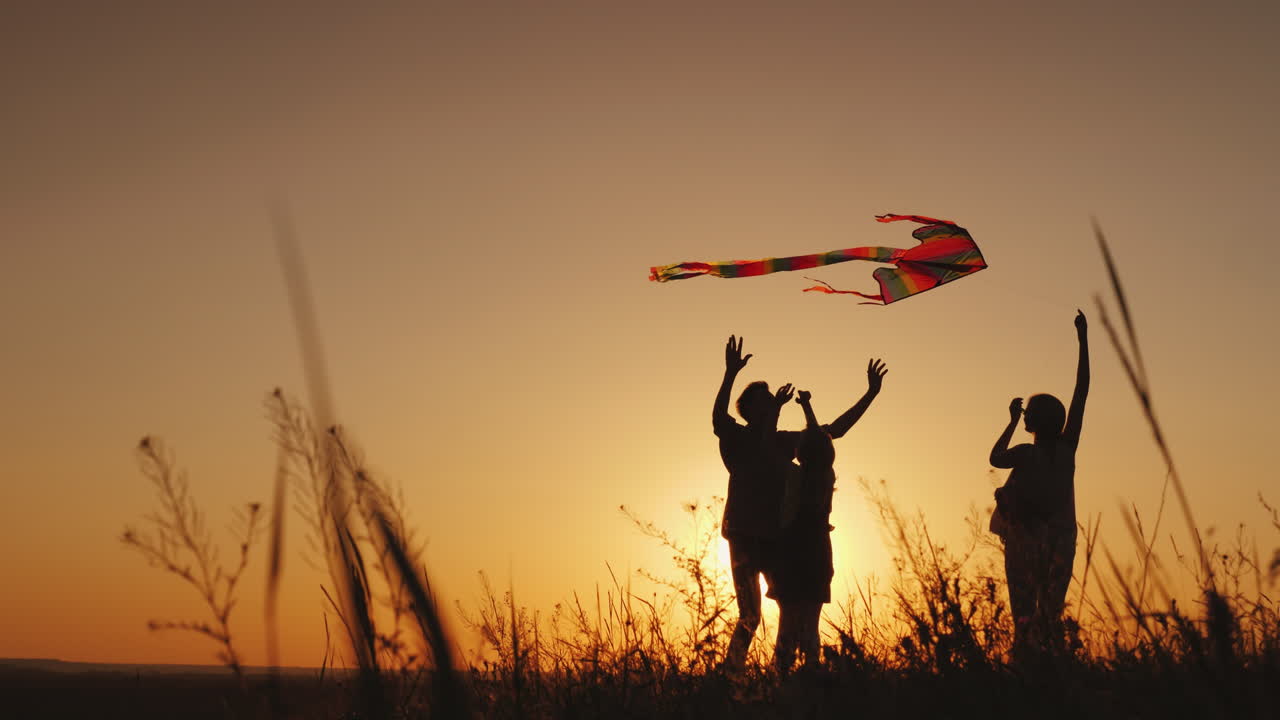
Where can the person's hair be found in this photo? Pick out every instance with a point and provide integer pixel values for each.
(816, 450)
(1045, 413)
(752, 394)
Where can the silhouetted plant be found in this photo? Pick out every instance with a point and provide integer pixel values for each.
(176, 539)
(359, 525)
(952, 618)
(704, 590)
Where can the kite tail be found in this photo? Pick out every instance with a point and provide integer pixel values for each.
(879, 299)
(663, 273)
(754, 268)
(914, 218)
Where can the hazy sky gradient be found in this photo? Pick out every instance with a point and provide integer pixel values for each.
(480, 194)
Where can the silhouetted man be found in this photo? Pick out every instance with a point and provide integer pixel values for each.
(758, 457)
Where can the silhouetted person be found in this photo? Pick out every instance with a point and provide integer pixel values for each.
(757, 457)
(801, 579)
(1036, 509)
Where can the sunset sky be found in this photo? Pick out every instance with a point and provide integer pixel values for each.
(480, 193)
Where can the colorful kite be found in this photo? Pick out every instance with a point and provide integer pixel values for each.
(945, 253)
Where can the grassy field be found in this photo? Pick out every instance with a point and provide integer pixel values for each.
(937, 647)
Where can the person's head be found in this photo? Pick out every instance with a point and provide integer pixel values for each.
(816, 450)
(1045, 415)
(756, 403)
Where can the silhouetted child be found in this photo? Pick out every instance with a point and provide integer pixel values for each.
(801, 578)
(1036, 508)
(757, 457)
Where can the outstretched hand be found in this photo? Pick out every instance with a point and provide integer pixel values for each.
(733, 359)
(802, 397)
(876, 370)
(783, 395)
(1082, 324)
(1015, 410)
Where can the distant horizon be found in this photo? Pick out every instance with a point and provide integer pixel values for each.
(36, 663)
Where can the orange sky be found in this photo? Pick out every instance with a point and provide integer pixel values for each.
(480, 194)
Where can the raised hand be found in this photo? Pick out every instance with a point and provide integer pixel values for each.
(1082, 324)
(733, 359)
(876, 370)
(783, 395)
(1015, 410)
(802, 397)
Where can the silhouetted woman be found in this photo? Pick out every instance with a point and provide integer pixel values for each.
(801, 579)
(1036, 508)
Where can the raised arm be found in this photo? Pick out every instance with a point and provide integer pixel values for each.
(733, 364)
(876, 371)
(804, 399)
(1001, 455)
(1075, 415)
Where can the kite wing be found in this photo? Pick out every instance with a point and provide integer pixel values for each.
(946, 252)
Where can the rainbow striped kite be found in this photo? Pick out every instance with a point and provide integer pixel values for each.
(946, 252)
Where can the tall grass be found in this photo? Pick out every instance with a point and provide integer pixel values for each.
(360, 527)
